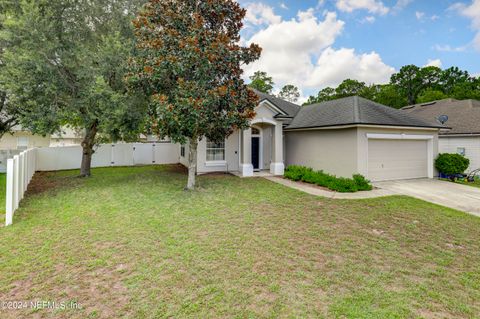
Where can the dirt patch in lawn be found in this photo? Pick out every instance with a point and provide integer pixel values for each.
(48, 181)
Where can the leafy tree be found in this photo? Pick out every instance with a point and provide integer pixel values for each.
(452, 77)
(189, 61)
(8, 113)
(408, 81)
(430, 95)
(349, 87)
(431, 77)
(69, 68)
(389, 95)
(289, 93)
(326, 94)
(262, 82)
(467, 90)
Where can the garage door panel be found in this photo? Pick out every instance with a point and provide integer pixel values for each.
(397, 159)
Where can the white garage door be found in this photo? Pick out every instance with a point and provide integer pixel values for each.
(397, 159)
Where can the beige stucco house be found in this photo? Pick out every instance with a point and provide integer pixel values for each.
(342, 137)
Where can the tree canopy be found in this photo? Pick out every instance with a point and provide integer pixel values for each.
(64, 64)
(262, 82)
(410, 85)
(289, 93)
(188, 60)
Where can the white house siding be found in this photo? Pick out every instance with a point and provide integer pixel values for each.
(334, 151)
(470, 143)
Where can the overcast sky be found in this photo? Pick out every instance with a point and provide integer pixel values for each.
(314, 44)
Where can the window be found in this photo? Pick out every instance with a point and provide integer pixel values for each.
(22, 142)
(182, 151)
(215, 151)
(461, 151)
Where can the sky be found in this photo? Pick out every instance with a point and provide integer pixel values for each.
(318, 43)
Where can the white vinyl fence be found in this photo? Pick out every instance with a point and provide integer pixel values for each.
(21, 168)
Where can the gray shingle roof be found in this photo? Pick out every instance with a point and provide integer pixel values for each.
(463, 116)
(289, 108)
(355, 110)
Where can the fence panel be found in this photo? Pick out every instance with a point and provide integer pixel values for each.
(122, 155)
(20, 170)
(143, 154)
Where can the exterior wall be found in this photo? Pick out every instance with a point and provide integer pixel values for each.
(57, 142)
(333, 151)
(231, 156)
(9, 141)
(362, 143)
(471, 145)
(236, 144)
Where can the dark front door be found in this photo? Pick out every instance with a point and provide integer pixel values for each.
(256, 152)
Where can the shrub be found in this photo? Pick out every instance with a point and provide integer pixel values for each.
(338, 184)
(451, 164)
(363, 184)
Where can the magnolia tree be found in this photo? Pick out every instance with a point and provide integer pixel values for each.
(188, 60)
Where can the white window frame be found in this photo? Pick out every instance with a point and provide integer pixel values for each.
(215, 162)
(22, 146)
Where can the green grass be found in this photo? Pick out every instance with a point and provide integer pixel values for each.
(130, 243)
(473, 184)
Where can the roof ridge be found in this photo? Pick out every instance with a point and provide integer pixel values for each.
(356, 111)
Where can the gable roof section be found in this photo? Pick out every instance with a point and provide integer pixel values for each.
(290, 109)
(355, 110)
(463, 115)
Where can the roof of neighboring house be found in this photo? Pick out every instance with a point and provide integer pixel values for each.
(288, 108)
(355, 110)
(463, 115)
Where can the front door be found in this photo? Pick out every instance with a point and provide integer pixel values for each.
(256, 153)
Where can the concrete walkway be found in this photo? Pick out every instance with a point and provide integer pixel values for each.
(313, 190)
(456, 196)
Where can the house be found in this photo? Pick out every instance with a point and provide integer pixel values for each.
(67, 137)
(20, 139)
(464, 120)
(342, 137)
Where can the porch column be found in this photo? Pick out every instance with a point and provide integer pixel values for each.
(246, 167)
(277, 167)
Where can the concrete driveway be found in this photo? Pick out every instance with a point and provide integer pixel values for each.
(456, 196)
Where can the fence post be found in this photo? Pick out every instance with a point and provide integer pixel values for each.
(16, 182)
(9, 193)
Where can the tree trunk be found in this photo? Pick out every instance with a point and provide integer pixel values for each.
(87, 150)
(192, 163)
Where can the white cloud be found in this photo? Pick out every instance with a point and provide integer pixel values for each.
(334, 66)
(373, 6)
(300, 52)
(283, 6)
(434, 62)
(419, 15)
(401, 4)
(261, 14)
(368, 19)
(448, 48)
(472, 12)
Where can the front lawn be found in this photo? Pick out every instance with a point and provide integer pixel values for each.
(130, 243)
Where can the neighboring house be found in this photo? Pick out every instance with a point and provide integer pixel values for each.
(67, 137)
(20, 139)
(464, 121)
(342, 137)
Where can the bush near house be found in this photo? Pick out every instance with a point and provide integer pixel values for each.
(338, 184)
(451, 164)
